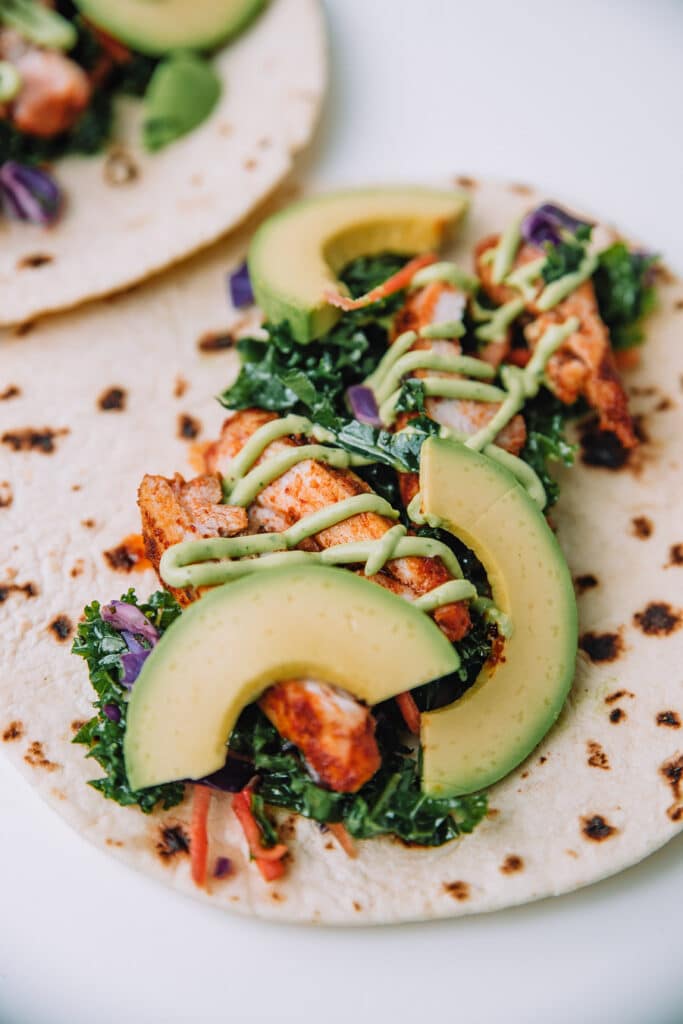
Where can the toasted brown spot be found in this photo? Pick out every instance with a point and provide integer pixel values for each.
(112, 400)
(602, 449)
(119, 167)
(664, 404)
(189, 428)
(14, 731)
(357, 906)
(675, 812)
(173, 840)
(129, 555)
(277, 897)
(180, 387)
(464, 181)
(77, 568)
(77, 724)
(32, 440)
(617, 715)
(35, 756)
(264, 143)
(543, 759)
(287, 829)
(34, 260)
(458, 890)
(525, 775)
(642, 527)
(250, 164)
(492, 813)
(673, 773)
(669, 718)
(6, 495)
(215, 341)
(113, 842)
(675, 554)
(572, 853)
(61, 627)
(21, 330)
(76, 487)
(597, 758)
(617, 695)
(329, 846)
(678, 304)
(597, 828)
(88, 523)
(27, 589)
(658, 619)
(59, 794)
(585, 582)
(601, 646)
(11, 392)
(512, 864)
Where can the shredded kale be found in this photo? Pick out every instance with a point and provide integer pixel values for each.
(625, 293)
(546, 420)
(411, 397)
(391, 803)
(565, 257)
(102, 646)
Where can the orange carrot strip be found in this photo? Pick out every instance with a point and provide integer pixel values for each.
(199, 838)
(409, 710)
(392, 284)
(627, 358)
(341, 834)
(270, 869)
(241, 803)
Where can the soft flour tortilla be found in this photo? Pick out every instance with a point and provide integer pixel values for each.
(599, 794)
(185, 196)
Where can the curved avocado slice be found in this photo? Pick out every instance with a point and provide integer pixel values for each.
(164, 25)
(474, 742)
(219, 656)
(296, 254)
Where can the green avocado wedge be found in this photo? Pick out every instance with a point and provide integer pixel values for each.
(156, 27)
(226, 649)
(296, 255)
(495, 725)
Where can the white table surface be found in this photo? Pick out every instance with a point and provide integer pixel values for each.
(585, 99)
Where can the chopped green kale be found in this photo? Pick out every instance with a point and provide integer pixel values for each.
(565, 257)
(625, 293)
(546, 420)
(411, 396)
(102, 646)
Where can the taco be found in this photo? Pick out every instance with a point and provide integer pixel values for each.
(338, 676)
(133, 134)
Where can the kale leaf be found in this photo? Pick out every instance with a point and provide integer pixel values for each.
(411, 396)
(625, 293)
(102, 646)
(566, 256)
(546, 420)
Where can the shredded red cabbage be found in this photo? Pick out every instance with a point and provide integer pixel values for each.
(133, 659)
(124, 616)
(239, 283)
(546, 222)
(28, 193)
(363, 405)
(231, 778)
(222, 868)
(112, 712)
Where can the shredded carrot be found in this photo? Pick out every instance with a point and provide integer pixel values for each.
(409, 710)
(199, 838)
(268, 858)
(392, 284)
(518, 356)
(627, 358)
(341, 834)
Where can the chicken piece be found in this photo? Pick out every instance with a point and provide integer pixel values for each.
(54, 89)
(310, 486)
(584, 364)
(173, 511)
(335, 734)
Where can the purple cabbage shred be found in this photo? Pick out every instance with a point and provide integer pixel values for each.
(239, 283)
(222, 867)
(29, 194)
(128, 617)
(112, 712)
(546, 224)
(363, 405)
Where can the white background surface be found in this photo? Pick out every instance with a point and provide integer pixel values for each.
(585, 99)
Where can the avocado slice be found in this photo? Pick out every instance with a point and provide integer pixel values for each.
(223, 652)
(296, 254)
(160, 26)
(474, 742)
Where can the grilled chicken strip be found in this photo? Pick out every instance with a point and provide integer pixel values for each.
(54, 89)
(584, 364)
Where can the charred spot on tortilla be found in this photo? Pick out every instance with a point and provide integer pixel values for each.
(464, 181)
(457, 890)
(250, 164)
(642, 527)
(617, 715)
(21, 330)
(587, 581)
(119, 167)
(6, 494)
(277, 897)
(7, 589)
(678, 304)
(30, 439)
(597, 828)
(173, 840)
(512, 864)
(34, 260)
(76, 569)
(675, 812)
(216, 341)
(180, 386)
(113, 842)
(602, 647)
(617, 695)
(658, 619)
(89, 524)
(675, 554)
(129, 555)
(112, 400)
(14, 731)
(672, 772)
(601, 448)
(357, 906)
(597, 758)
(664, 404)
(61, 627)
(189, 428)
(329, 846)
(78, 724)
(35, 756)
(12, 391)
(671, 719)
(543, 758)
